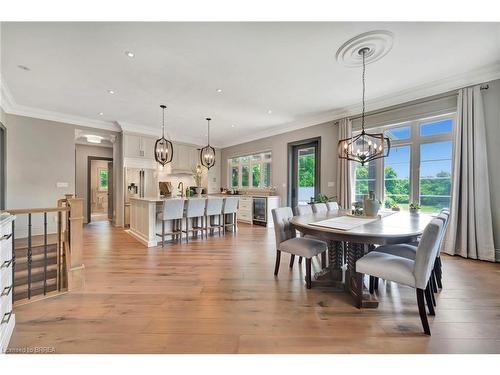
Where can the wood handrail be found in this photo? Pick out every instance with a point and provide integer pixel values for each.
(20, 211)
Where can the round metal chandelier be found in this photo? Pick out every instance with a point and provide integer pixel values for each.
(164, 150)
(365, 146)
(207, 153)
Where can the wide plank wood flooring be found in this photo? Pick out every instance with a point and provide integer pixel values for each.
(220, 296)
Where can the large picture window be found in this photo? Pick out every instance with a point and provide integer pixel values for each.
(418, 168)
(250, 171)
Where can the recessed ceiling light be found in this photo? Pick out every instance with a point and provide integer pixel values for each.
(219, 90)
(269, 111)
(101, 113)
(111, 92)
(129, 54)
(232, 126)
(24, 67)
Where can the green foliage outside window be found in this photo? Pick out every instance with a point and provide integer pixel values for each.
(256, 175)
(306, 170)
(103, 179)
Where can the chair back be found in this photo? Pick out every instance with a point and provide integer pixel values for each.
(305, 209)
(230, 205)
(173, 209)
(443, 216)
(319, 207)
(195, 207)
(426, 252)
(214, 206)
(283, 228)
(332, 206)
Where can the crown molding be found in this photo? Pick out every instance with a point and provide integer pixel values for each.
(481, 75)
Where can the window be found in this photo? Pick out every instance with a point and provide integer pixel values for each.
(103, 179)
(418, 168)
(250, 171)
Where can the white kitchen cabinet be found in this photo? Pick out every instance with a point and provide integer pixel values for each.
(7, 317)
(185, 158)
(138, 146)
(244, 213)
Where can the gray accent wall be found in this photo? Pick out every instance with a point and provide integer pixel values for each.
(491, 98)
(278, 145)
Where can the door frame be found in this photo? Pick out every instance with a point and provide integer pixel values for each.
(3, 166)
(316, 142)
(89, 182)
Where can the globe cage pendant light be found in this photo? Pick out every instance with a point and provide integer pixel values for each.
(207, 153)
(365, 146)
(164, 150)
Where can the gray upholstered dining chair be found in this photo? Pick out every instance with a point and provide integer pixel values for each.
(213, 215)
(173, 210)
(229, 211)
(195, 210)
(332, 206)
(286, 241)
(414, 273)
(306, 209)
(319, 207)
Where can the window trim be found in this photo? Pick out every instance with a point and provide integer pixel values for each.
(250, 164)
(415, 141)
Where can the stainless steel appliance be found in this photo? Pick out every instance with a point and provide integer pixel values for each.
(260, 210)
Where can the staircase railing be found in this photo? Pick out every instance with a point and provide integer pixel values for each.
(38, 246)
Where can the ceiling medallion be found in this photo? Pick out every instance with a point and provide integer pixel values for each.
(376, 45)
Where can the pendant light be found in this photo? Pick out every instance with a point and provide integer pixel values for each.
(164, 150)
(207, 153)
(365, 146)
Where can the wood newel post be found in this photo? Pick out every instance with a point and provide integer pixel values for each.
(75, 254)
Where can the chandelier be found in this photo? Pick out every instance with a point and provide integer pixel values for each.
(365, 146)
(164, 150)
(207, 153)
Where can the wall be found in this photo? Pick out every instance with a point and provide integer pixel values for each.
(491, 99)
(278, 145)
(82, 153)
(40, 154)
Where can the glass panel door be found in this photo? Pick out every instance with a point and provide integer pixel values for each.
(304, 172)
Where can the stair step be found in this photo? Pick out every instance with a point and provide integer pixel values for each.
(36, 261)
(21, 292)
(35, 250)
(23, 274)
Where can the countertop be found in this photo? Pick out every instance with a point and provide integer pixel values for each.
(158, 199)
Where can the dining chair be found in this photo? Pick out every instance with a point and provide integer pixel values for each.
(319, 207)
(195, 210)
(307, 210)
(213, 215)
(413, 273)
(230, 207)
(332, 206)
(173, 210)
(288, 242)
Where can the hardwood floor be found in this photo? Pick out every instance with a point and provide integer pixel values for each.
(220, 296)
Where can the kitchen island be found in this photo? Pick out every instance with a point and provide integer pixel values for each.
(143, 219)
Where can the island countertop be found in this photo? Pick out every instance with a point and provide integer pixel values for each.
(159, 199)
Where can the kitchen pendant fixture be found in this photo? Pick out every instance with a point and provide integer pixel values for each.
(164, 150)
(207, 153)
(365, 146)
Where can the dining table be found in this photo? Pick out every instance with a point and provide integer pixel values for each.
(350, 237)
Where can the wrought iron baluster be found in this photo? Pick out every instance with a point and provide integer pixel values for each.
(29, 255)
(45, 253)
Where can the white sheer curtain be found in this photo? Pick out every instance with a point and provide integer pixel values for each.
(345, 171)
(470, 232)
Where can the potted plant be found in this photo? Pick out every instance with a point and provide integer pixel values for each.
(414, 207)
(395, 207)
(197, 175)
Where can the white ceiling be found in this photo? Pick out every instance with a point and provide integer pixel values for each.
(289, 68)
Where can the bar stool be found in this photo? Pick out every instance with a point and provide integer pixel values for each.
(319, 207)
(213, 210)
(173, 210)
(195, 209)
(230, 207)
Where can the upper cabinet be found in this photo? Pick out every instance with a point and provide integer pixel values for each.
(137, 146)
(185, 159)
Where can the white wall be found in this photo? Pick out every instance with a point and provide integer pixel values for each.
(81, 165)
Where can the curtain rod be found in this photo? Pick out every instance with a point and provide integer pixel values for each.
(414, 102)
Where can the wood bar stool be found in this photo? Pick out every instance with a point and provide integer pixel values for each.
(195, 209)
(213, 215)
(173, 210)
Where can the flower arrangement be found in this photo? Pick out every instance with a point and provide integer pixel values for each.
(197, 175)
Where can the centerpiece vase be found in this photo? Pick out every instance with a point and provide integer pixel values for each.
(371, 205)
